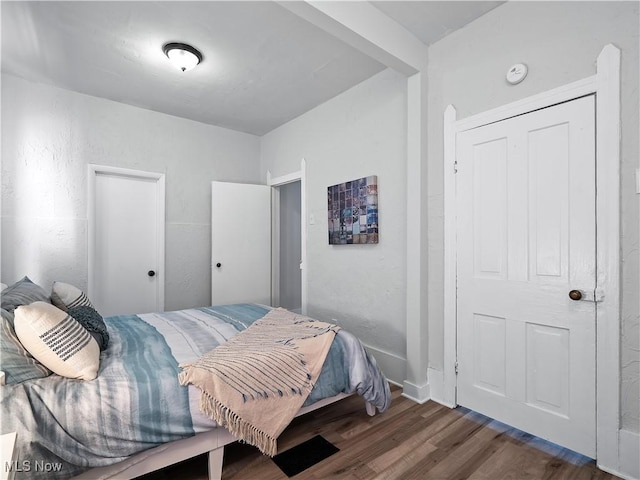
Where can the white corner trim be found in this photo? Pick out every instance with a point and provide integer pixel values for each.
(367, 29)
(416, 326)
(417, 393)
(606, 85)
(560, 94)
(608, 256)
(436, 387)
(393, 366)
(284, 179)
(629, 464)
(629, 461)
(450, 266)
(125, 172)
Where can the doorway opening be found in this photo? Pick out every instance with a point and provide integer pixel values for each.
(289, 239)
(290, 220)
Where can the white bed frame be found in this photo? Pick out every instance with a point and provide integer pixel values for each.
(212, 441)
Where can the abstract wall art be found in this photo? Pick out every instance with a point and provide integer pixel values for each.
(353, 211)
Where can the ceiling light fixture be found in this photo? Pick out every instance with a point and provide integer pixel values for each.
(183, 56)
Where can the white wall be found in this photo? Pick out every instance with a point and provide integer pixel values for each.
(358, 133)
(49, 136)
(560, 42)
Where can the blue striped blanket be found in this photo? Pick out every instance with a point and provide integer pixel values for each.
(67, 426)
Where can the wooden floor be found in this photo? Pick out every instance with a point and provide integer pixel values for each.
(409, 441)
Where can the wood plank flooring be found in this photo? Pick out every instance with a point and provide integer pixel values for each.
(409, 441)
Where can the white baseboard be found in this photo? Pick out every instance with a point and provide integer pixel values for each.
(393, 366)
(417, 393)
(629, 460)
(436, 384)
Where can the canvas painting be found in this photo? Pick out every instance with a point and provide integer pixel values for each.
(353, 211)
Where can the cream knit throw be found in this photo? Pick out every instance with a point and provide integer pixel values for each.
(255, 383)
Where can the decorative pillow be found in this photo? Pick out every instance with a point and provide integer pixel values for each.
(90, 319)
(57, 340)
(64, 296)
(17, 363)
(23, 292)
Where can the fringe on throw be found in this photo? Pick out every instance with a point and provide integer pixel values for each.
(237, 426)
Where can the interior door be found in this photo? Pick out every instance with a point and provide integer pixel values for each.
(240, 243)
(526, 241)
(128, 243)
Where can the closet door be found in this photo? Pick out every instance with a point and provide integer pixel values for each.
(527, 272)
(126, 240)
(240, 243)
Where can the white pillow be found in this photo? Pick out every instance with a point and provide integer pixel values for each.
(57, 340)
(3, 286)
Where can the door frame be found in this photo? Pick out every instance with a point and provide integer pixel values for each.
(605, 84)
(300, 176)
(93, 172)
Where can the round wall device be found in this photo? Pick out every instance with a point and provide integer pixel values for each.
(516, 73)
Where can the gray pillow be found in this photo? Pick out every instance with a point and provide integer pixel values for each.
(92, 321)
(23, 292)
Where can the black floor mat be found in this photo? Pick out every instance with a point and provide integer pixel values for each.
(299, 458)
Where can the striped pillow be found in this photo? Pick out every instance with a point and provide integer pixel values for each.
(57, 340)
(17, 363)
(23, 292)
(66, 296)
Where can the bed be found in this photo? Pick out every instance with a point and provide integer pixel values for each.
(135, 416)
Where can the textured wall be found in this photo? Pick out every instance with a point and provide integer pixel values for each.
(49, 136)
(358, 133)
(560, 42)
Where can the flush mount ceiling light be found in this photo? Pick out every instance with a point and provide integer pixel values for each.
(183, 56)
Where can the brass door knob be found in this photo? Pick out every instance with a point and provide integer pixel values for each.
(575, 295)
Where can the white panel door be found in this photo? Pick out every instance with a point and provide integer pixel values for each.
(240, 243)
(127, 244)
(526, 239)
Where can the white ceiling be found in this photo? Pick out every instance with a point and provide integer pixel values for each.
(263, 65)
(431, 20)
